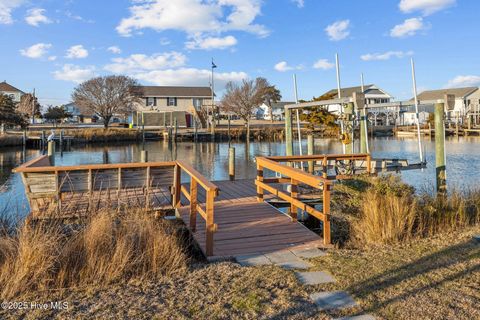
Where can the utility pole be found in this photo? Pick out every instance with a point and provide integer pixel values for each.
(339, 92)
(213, 97)
(33, 107)
(416, 110)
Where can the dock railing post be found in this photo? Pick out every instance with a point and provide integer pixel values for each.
(326, 212)
(210, 222)
(176, 186)
(260, 179)
(440, 162)
(231, 163)
(294, 195)
(193, 204)
(310, 147)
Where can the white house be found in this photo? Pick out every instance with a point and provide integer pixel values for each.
(11, 91)
(278, 111)
(464, 97)
(373, 94)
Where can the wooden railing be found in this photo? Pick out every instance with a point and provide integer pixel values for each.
(191, 194)
(294, 177)
(46, 184)
(325, 159)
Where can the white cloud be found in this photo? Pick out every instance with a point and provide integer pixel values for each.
(114, 50)
(299, 3)
(408, 28)
(37, 16)
(464, 81)
(338, 30)
(189, 77)
(210, 43)
(427, 7)
(323, 64)
(52, 58)
(6, 8)
(77, 17)
(140, 62)
(36, 51)
(77, 52)
(201, 16)
(73, 73)
(385, 56)
(283, 66)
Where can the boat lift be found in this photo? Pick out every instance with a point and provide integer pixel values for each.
(353, 106)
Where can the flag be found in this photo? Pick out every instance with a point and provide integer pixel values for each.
(213, 65)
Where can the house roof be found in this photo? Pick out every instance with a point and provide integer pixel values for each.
(6, 87)
(439, 94)
(161, 91)
(348, 92)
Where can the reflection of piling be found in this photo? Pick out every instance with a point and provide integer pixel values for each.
(231, 163)
(42, 140)
(195, 130)
(310, 151)
(440, 161)
(144, 156)
(175, 125)
(51, 152)
(60, 141)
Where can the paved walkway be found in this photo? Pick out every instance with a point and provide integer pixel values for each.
(295, 260)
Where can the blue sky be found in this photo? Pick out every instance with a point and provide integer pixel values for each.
(53, 45)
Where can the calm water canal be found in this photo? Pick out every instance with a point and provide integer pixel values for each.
(211, 159)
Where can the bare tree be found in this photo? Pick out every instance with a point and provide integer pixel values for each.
(29, 106)
(242, 100)
(108, 95)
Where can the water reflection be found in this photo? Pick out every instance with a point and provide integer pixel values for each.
(211, 159)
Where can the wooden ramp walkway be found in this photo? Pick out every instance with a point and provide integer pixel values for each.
(246, 226)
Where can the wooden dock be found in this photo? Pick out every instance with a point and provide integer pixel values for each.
(246, 226)
(226, 218)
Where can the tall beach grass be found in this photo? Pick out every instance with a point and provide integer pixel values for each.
(109, 248)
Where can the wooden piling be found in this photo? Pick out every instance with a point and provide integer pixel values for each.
(310, 147)
(231, 163)
(175, 125)
(51, 152)
(288, 132)
(60, 140)
(144, 156)
(42, 140)
(24, 138)
(349, 127)
(440, 161)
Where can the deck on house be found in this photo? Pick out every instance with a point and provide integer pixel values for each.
(246, 226)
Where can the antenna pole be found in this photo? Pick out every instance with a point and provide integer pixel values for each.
(339, 92)
(299, 132)
(420, 150)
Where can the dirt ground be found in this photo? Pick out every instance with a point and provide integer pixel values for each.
(436, 278)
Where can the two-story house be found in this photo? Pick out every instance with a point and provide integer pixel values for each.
(11, 91)
(161, 105)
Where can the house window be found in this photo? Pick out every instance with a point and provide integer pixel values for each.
(172, 102)
(197, 103)
(150, 101)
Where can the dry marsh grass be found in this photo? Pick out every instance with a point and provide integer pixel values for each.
(384, 210)
(10, 140)
(105, 135)
(110, 248)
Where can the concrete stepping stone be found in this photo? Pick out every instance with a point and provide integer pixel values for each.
(252, 260)
(287, 260)
(360, 317)
(333, 300)
(309, 253)
(314, 277)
